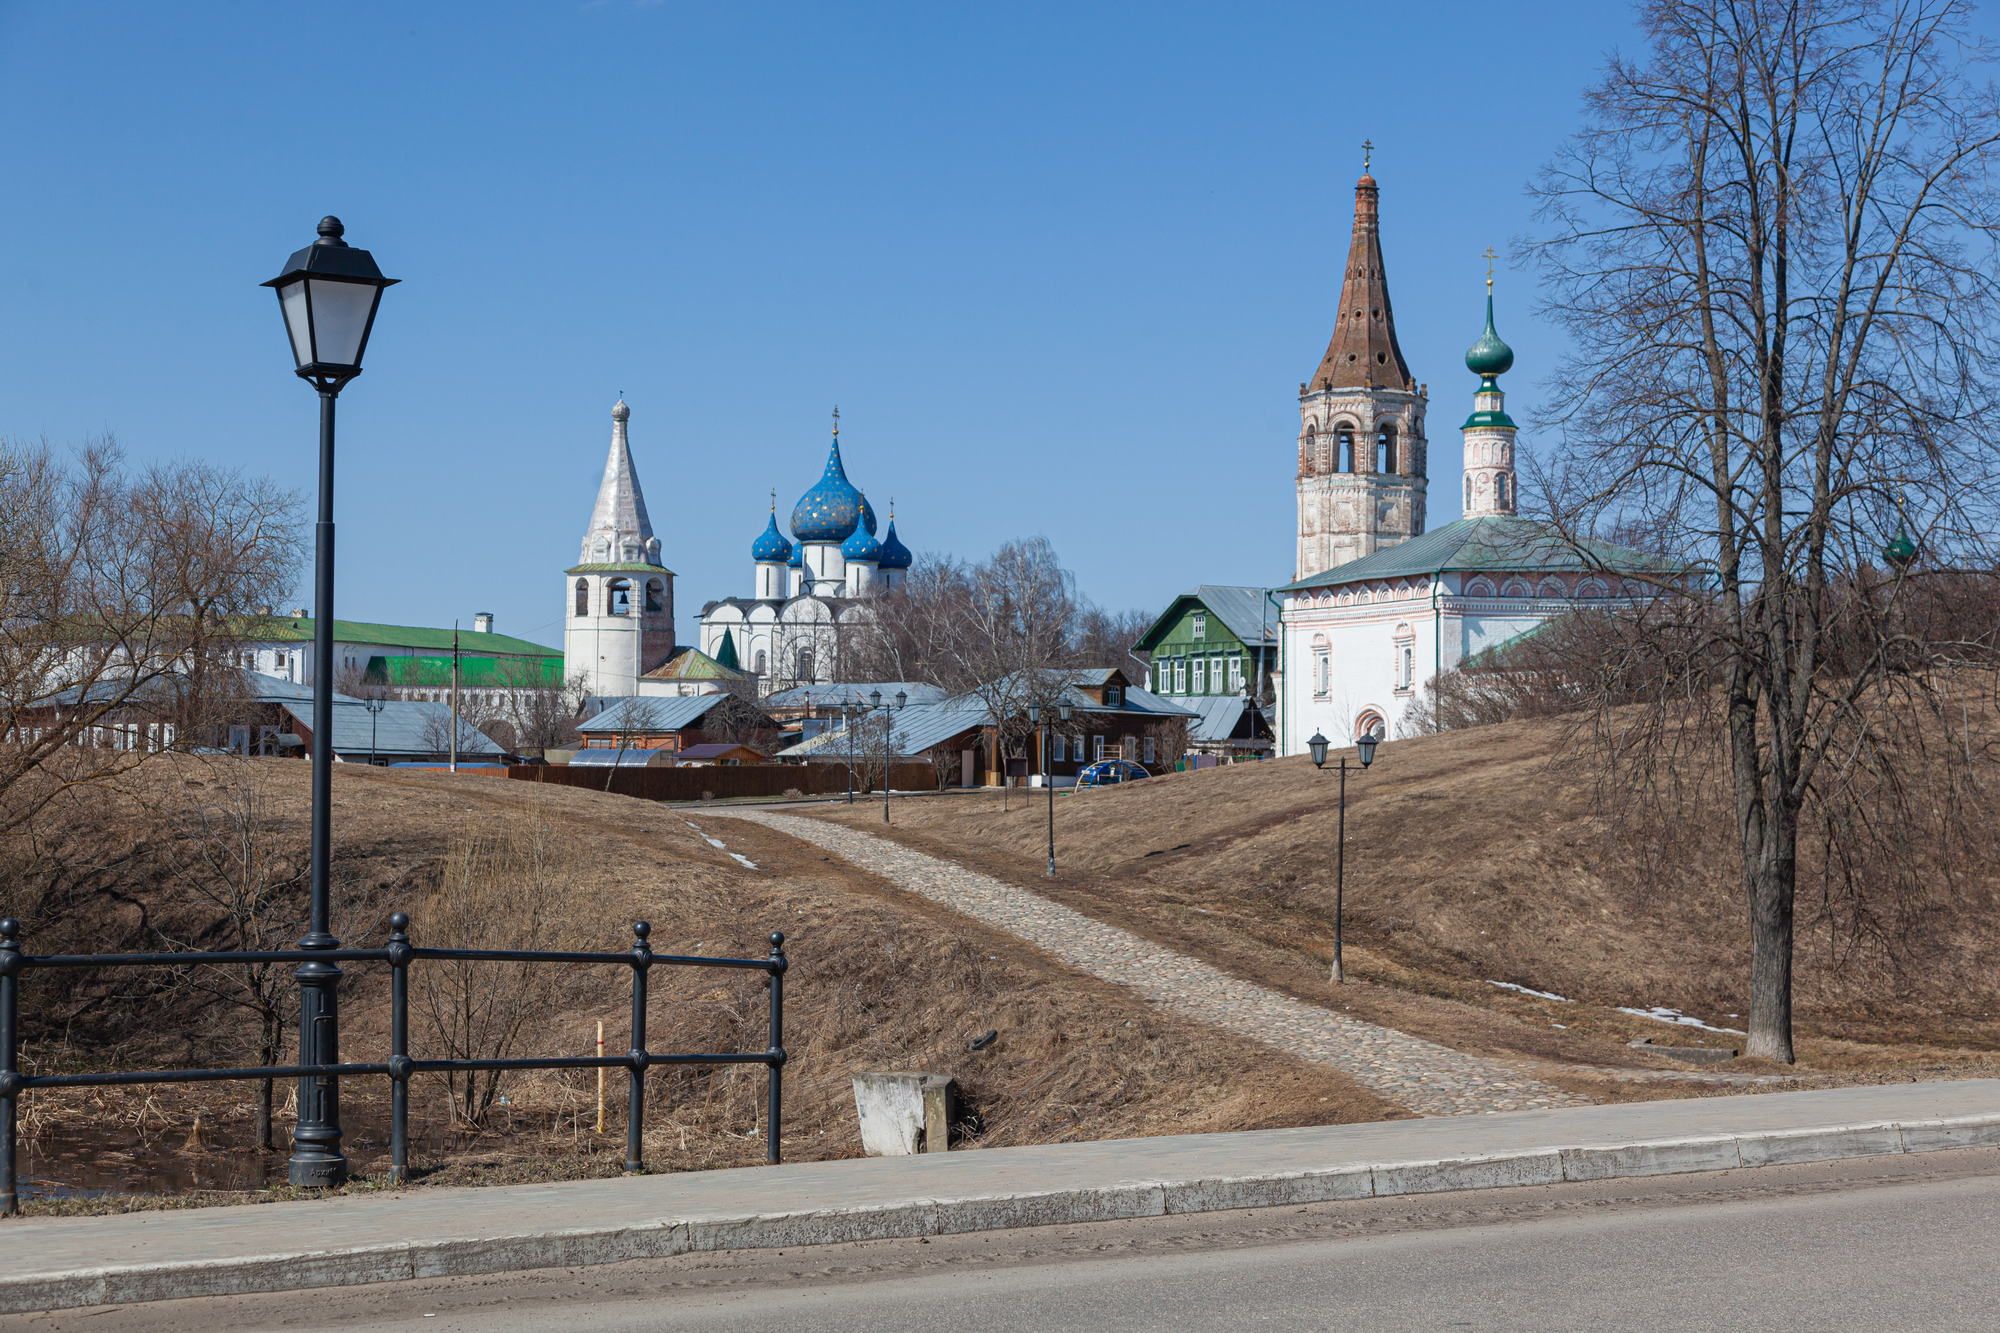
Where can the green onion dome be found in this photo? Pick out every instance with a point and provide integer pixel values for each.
(1489, 356)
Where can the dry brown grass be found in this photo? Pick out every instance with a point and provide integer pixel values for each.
(878, 980)
(1481, 855)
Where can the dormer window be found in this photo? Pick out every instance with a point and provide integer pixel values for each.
(1199, 625)
(1114, 696)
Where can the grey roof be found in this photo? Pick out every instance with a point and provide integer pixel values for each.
(1075, 680)
(836, 693)
(649, 712)
(403, 726)
(1497, 543)
(250, 686)
(1217, 716)
(1250, 613)
(916, 729)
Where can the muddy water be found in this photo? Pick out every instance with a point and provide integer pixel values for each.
(81, 1161)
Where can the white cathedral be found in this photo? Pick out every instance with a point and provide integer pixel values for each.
(812, 592)
(1379, 605)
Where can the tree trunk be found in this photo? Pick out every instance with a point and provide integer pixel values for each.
(1771, 881)
(270, 1049)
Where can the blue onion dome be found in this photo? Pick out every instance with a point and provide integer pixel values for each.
(861, 546)
(1489, 356)
(868, 516)
(770, 544)
(894, 555)
(831, 510)
(798, 558)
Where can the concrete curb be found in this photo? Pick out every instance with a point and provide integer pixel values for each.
(998, 1210)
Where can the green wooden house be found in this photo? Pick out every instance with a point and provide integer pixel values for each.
(1212, 652)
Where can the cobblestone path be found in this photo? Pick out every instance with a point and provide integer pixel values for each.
(1423, 1076)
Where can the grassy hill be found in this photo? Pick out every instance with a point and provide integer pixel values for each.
(1498, 854)
(878, 981)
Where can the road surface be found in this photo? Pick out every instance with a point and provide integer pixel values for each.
(1878, 1243)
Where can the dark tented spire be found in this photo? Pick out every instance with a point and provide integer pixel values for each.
(1363, 350)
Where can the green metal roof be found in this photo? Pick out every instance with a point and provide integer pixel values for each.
(299, 629)
(1491, 543)
(694, 664)
(474, 673)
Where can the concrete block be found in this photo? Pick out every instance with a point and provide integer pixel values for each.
(1469, 1173)
(1717, 1153)
(1818, 1145)
(300, 1272)
(1280, 1191)
(903, 1112)
(67, 1291)
(777, 1231)
(1972, 1131)
(559, 1249)
(1048, 1208)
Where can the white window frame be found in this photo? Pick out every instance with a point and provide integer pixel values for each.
(1180, 675)
(1216, 680)
(1198, 624)
(1322, 673)
(1096, 748)
(1200, 679)
(1147, 749)
(1061, 748)
(1235, 674)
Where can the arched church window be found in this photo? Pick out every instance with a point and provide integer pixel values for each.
(758, 663)
(1343, 435)
(1516, 588)
(1552, 588)
(1309, 450)
(1500, 490)
(1385, 448)
(583, 597)
(656, 591)
(618, 598)
(1370, 724)
(1479, 587)
(805, 665)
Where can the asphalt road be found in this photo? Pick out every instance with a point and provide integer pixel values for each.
(1879, 1244)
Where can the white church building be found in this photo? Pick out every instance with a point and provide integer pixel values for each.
(1379, 605)
(812, 592)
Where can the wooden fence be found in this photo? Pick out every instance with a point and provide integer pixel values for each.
(722, 782)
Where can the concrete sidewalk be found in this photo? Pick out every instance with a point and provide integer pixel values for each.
(48, 1263)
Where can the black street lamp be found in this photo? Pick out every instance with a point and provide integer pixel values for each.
(328, 294)
(374, 707)
(1048, 775)
(888, 726)
(849, 713)
(1365, 748)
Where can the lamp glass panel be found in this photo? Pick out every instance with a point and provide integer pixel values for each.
(340, 319)
(298, 323)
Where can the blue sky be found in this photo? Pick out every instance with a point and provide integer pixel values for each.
(1062, 266)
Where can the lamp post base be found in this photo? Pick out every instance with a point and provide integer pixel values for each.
(317, 1161)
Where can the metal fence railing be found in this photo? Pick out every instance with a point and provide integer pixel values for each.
(399, 954)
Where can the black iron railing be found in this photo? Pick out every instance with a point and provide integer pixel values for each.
(399, 954)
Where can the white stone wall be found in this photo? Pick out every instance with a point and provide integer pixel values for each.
(1342, 514)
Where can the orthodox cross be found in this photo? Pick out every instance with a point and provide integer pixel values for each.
(1367, 153)
(1489, 257)
(836, 421)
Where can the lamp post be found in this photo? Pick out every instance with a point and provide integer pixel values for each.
(1048, 775)
(849, 712)
(1365, 749)
(374, 707)
(888, 725)
(328, 294)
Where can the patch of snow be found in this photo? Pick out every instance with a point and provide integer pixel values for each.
(1529, 990)
(1660, 1013)
(720, 845)
(1563, 1026)
(743, 860)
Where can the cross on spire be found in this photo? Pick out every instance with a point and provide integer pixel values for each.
(1489, 257)
(774, 499)
(1367, 153)
(836, 421)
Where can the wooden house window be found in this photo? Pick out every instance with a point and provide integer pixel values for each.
(1199, 625)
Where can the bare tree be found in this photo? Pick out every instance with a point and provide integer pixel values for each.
(115, 592)
(544, 718)
(1773, 244)
(234, 878)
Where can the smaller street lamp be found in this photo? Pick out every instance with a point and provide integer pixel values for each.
(1048, 773)
(1364, 747)
(888, 726)
(374, 707)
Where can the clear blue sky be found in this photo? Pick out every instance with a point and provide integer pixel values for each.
(1062, 266)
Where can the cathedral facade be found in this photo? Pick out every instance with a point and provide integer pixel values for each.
(812, 591)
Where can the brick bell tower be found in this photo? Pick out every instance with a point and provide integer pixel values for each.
(1362, 453)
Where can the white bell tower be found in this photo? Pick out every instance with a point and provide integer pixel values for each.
(618, 597)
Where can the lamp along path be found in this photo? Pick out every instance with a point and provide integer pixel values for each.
(1423, 1076)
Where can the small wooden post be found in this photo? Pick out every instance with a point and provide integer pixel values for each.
(600, 1076)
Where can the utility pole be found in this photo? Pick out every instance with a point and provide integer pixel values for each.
(454, 696)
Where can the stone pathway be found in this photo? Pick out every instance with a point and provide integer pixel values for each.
(1423, 1076)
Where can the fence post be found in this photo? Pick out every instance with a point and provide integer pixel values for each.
(10, 1061)
(399, 1048)
(774, 1055)
(635, 1073)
